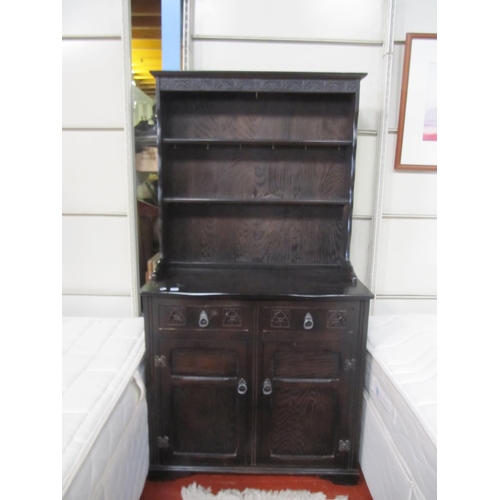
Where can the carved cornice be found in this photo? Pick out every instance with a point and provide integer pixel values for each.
(258, 85)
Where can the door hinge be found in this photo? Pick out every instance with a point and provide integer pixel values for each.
(163, 442)
(160, 362)
(350, 364)
(344, 445)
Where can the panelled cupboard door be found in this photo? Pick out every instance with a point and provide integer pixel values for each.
(204, 392)
(305, 402)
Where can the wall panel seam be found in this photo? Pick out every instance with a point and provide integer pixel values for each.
(410, 216)
(186, 28)
(378, 198)
(130, 159)
(92, 129)
(94, 214)
(88, 38)
(388, 296)
(375, 132)
(266, 39)
(96, 294)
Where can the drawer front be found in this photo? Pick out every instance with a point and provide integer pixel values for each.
(338, 317)
(204, 316)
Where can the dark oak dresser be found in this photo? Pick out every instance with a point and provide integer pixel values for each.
(255, 321)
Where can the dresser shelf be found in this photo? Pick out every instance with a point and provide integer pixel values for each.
(255, 201)
(257, 142)
(257, 280)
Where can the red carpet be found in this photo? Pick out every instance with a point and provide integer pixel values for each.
(171, 490)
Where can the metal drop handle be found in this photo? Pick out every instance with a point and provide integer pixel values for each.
(308, 321)
(203, 321)
(242, 386)
(267, 387)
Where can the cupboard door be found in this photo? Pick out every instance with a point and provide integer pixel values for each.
(204, 393)
(305, 401)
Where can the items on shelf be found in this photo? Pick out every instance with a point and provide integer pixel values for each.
(146, 151)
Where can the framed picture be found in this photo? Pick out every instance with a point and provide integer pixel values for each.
(416, 146)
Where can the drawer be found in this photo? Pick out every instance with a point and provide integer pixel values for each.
(204, 316)
(339, 317)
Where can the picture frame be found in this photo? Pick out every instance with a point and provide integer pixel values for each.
(416, 146)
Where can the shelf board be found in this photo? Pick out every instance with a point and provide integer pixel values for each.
(254, 201)
(254, 281)
(256, 142)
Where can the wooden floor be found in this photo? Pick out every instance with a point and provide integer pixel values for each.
(171, 490)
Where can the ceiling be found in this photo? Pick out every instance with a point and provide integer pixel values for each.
(146, 43)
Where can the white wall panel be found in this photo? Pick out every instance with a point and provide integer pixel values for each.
(360, 248)
(364, 177)
(97, 268)
(408, 246)
(92, 84)
(415, 16)
(396, 85)
(408, 264)
(99, 306)
(324, 19)
(405, 306)
(94, 172)
(96, 257)
(408, 192)
(91, 18)
(256, 56)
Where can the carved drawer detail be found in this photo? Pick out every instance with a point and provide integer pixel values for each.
(280, 318)
(176, 316)
(232, 317)
(337, 318)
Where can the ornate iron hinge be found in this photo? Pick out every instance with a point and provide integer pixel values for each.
(344, 445)
(350, 364)
(163, 442)
(160, 362)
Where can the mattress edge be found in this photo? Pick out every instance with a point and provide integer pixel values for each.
(128, 373)
(421, 419)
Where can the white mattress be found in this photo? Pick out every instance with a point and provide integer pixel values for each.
(400, 417)
(102, 396)
(117, 464)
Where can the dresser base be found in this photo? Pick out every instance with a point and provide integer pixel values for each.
(336, 476)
